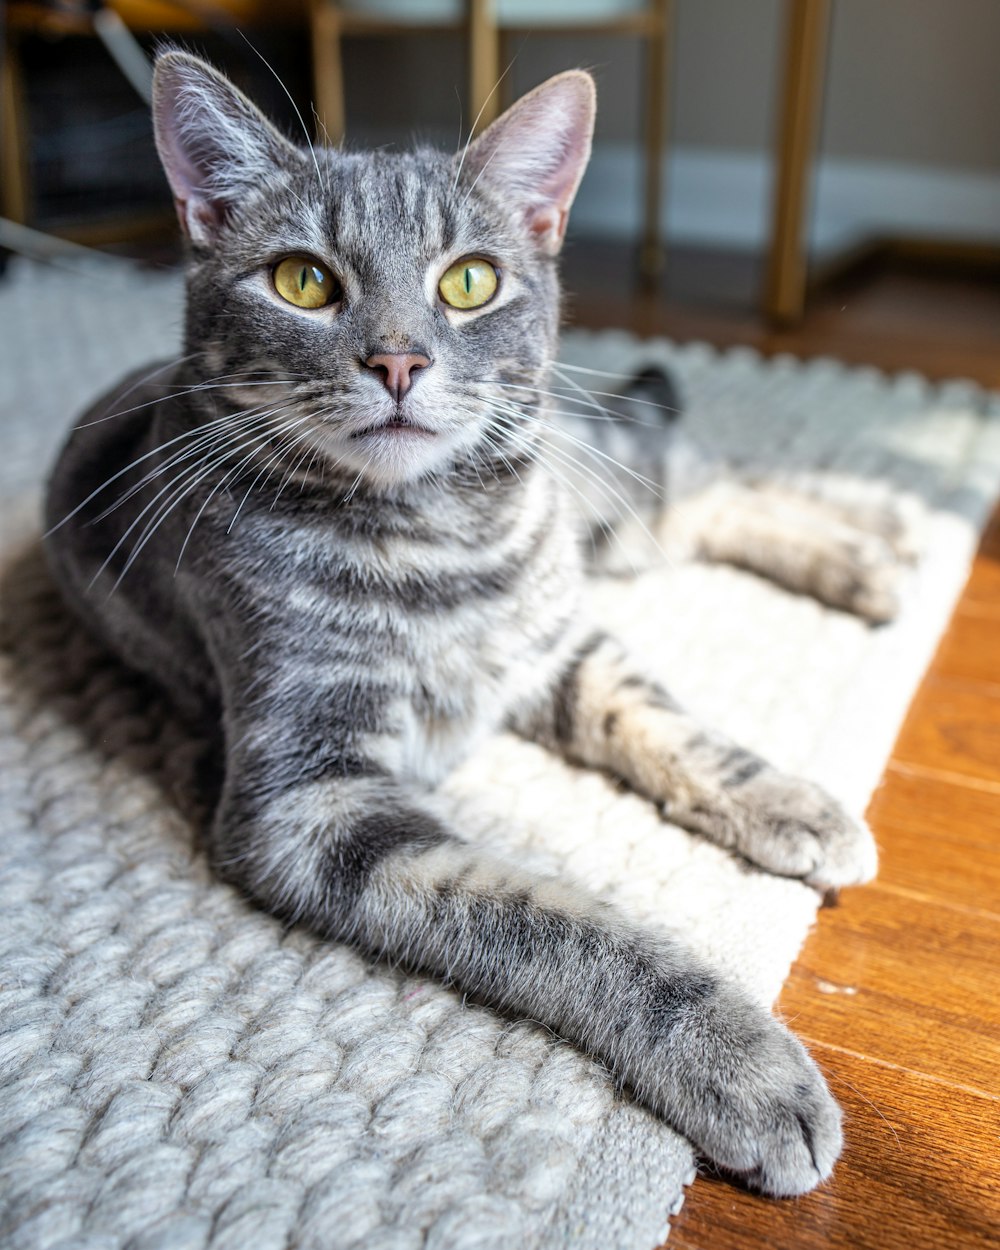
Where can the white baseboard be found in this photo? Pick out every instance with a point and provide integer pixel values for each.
(723, 198)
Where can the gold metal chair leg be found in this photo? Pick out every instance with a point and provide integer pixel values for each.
(651, 254)
(14, 193)
(805, 63)
(484, 63)
(328, 72)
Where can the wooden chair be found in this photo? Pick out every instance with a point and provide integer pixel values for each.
(74, 17)
(807, 28)
(485, 23)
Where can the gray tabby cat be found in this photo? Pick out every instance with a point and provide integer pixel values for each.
(327, 528)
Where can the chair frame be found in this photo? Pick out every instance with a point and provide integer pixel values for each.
(331, 24)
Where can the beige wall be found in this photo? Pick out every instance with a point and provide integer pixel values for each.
(913, 81)
(916, 81)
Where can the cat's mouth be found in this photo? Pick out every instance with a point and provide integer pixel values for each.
(396, 427)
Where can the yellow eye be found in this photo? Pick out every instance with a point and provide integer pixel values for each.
(469, 283)
(305, 283)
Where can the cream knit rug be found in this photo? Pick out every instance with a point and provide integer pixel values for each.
(179, 1073)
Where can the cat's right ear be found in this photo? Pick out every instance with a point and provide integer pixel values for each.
(214, 144)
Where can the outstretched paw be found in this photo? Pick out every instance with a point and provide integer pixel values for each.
(790, 827)
(748, 1095)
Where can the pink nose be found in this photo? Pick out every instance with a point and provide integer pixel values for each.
(397, 370)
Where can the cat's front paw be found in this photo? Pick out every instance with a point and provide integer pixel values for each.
(803, 832)
(793, 828)
(900, 519)
(748, 1095)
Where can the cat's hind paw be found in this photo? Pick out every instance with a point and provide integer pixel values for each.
(863, 574)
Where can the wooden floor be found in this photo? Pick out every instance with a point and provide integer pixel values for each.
(897, 992)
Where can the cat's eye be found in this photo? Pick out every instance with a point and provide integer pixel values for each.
(469, 283)
(305, 283)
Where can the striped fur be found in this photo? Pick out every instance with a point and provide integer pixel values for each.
(353, 612)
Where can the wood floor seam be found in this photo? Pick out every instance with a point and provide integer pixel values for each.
(919, 896)
(980, 609)
(897, 764)
(815, 1046)
(943, 682)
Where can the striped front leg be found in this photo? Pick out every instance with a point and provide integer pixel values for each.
(604, 713)
(318, 834)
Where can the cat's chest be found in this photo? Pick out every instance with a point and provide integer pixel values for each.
(448, 638)
(465, 672)
(457, 646)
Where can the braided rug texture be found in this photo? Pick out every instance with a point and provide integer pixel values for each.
(178, 1072)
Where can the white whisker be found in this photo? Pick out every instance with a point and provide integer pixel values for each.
(188, 478)
(277, 78)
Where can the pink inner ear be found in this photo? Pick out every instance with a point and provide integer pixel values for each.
(213, 142)
(535, 154)
(547, 222)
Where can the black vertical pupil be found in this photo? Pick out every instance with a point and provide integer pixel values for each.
(303, 277)
(468, 279)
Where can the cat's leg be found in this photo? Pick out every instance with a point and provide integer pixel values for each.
(795, 541)
(317, 833)
(605, 713)
(872, 505)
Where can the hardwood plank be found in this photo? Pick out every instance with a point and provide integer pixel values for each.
(970, 650)
(918, 1173)
(938, 841)
(955, 728)
(913, 984)
(984, 584)
(945, 808)
(939, 872)
(983, 589)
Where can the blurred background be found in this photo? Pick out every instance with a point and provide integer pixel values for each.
(810, 175)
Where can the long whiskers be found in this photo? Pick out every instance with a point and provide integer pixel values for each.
(268, 468)
(180, 485)
(598, 373)
(472, 130)
(504, 414)
(610, 493)
(258, 442)
(587, 397)
(211, 384)
(146, 377)
(277, 78)
(545, 460)
(194, 432)
(540, 418)
(235, 423)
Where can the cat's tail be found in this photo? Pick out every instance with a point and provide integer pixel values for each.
(651, 397)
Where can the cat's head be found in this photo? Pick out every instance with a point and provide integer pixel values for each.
(405, 304)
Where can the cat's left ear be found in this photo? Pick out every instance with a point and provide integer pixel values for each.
(536, 152)
(214, 144)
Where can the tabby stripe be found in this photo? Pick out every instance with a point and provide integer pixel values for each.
(566, 695)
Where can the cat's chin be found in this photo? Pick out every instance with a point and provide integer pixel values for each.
(390, 455)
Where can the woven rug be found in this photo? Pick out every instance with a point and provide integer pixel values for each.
(178, 1072)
